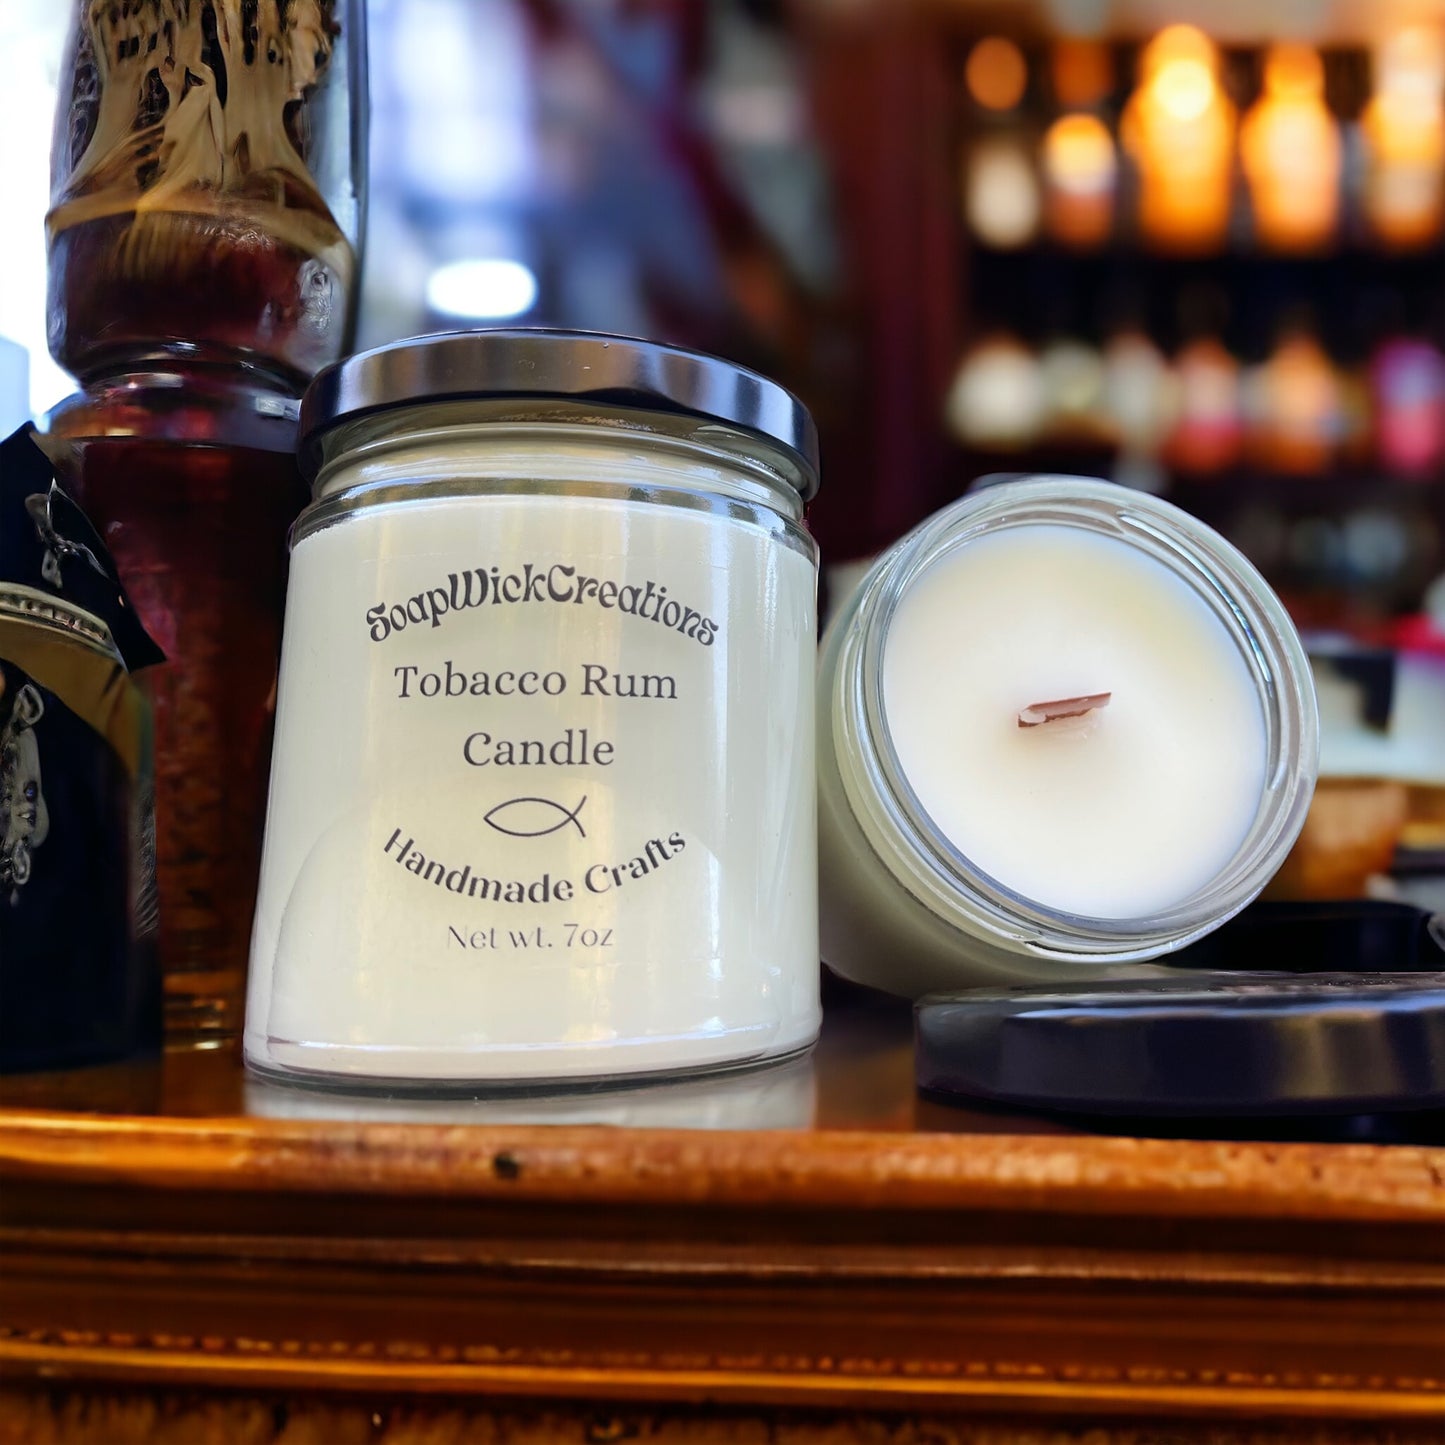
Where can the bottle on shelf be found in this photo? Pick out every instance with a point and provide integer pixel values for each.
(996, 401)
(1001, 198)
(1141, 400)
(1080, 170)
(1404, 133)
(1290, 150)
(1208, 431)
(1294, 404)
(1072, 374)
(204, 232)
(1407, 385)
(1179, 130)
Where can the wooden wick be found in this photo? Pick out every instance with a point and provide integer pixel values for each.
(1038, 713)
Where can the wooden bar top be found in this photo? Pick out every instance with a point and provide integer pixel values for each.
(811, 1234)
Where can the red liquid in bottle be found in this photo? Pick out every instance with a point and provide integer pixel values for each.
(204, 212)
(198, 531)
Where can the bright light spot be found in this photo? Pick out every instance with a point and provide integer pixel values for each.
(1293, 71)
(482, 290)
(1174, 43)
(1001, 192)
(1185, 88)
(1078, 154)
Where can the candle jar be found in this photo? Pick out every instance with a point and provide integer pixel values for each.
(1062, 726)
(542, 796)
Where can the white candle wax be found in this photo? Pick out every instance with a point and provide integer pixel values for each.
(1121, 813)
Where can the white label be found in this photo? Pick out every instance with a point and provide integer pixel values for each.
(542, 795)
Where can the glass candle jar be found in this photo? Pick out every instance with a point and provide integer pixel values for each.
(1062, 726)
(542, 795)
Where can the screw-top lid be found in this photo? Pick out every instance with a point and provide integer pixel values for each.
(580, 366)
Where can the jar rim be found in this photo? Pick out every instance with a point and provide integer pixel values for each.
(916, 849)
(525, 363)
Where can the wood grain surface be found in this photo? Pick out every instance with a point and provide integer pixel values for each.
(107, 1417)
(175, 1234)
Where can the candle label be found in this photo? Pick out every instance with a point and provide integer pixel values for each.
(566, 768)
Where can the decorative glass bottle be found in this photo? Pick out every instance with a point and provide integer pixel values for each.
(204, 235)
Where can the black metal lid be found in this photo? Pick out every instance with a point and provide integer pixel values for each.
(1230, 1046)
(579, 366)
(1321, 1031)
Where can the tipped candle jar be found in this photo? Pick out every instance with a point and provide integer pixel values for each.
(542, 797)
(1062, 726)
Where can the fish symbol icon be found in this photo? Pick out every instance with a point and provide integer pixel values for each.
(533, 817)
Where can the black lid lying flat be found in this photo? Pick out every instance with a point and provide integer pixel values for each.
(1196, 1041)
(1340, 1044)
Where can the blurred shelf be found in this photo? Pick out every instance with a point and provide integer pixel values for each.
(1338, 489)
(1349, 297)
(1363, 263)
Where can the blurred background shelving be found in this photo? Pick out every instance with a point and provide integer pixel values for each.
(1218, 274)
(1197, 245)
(1195, 248)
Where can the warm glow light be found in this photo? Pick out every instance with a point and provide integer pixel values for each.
(997, 397)
(1080, 169)
(1140, 393)
(482, 290)
(1072, 375)
(1179, 128)
(1185, 88)
(1294, 72)
(996, 73)
(1177, 42)
(1404, 131)
(1083, 73)
(1291, 152)
(1295, 410)
(1208, 431)
(1412, 59)
(1001, 193)
(1079, 153)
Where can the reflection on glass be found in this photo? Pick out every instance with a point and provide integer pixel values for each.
(779, 1096)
